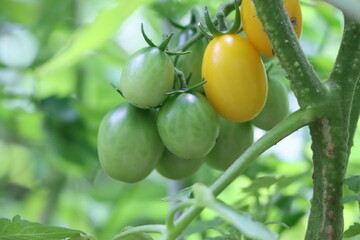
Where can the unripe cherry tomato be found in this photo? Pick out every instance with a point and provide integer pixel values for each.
(146, 78)
(276, 107)
(188, 125)
(233, 140)
(129, 145)
(236, 79)
(174, 167)
(253, 27)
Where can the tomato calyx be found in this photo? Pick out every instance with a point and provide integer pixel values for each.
(210, 30)
(184, 83)
(163, 45)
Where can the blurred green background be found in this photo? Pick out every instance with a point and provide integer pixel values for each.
(58, 59)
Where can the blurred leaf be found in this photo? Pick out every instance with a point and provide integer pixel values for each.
(202, 226)
(353, 183)
(261, 182)
(92, 36)
(351, 198)
(17, 229)
(285, 181)
(353, 230)
(244, 223)
(181, 195)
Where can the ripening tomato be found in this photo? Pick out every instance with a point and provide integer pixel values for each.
(236, 79)
(188, 125)
(276, 107)
(174, 167)
(146, 78)
(253, 27)
(129, 145)
(233, 140)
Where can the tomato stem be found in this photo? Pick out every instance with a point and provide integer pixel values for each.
(292, 123)
(155, 228)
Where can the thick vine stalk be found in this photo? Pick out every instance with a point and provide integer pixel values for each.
(333, 133)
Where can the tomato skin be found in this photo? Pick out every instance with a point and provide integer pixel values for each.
(174, 167)
(146, 77)
(129, 145)
(191, 63)
(276, 107)
(188, 125)
(236, 79)
(233, 140)
(254, 30)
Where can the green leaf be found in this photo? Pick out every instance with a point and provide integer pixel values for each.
(93, 36)
(351, 198)
(261, 182)
(353, 183)
(18, 229)
(244, 223)
(353, 230)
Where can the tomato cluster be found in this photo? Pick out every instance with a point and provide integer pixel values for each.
(173, 124)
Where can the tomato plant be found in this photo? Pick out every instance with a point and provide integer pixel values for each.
(276, 107)
(233, 140)
(146, 77)
(254, 30)
(129, 145)
(174, 167)
(188, 125)
(236, 79)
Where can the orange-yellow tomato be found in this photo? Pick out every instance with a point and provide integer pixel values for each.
(253, 27)
(236, 79)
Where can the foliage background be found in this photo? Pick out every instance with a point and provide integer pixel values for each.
(57, 60)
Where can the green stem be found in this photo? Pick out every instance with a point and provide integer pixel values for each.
(155, 228)
(226, 8)
(294, 122)
(303, 80)
(332, 138)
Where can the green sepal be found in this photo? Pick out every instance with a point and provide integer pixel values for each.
(210, 25)
(118, 90)
(166, 42)
(205, 31)
(151, 44)
(186, 90)
(176, 53)
(237, 23)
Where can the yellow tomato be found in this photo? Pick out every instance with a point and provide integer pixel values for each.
(254, 30)
(236, 79)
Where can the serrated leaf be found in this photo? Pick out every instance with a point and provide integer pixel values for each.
(181, 195)
(353, 183)
(351, 198)
(261, 182)
(92, 36)
(353, 230)
(19, 229)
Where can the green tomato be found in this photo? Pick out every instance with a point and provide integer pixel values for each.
(234, 139)
(191, 63)
(146, 77)
(174, 167)
(188, 125)
(276, 107)
(129, 145)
